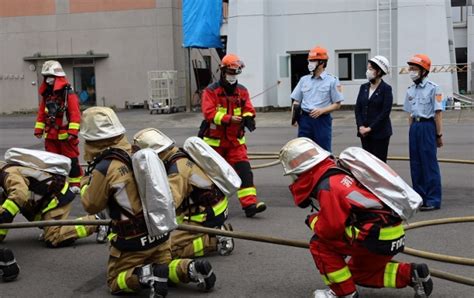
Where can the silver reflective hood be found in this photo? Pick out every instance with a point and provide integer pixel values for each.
(213, 165)
(155, 194)
(45, 161)
(382, 181)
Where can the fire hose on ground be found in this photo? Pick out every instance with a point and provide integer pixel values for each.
(287, 242)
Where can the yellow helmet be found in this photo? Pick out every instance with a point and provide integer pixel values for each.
(152, 138)
(100, 123)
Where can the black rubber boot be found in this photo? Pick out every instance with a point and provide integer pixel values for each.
(421, 280)
(253, 209)
(9, 269)
(200, 271)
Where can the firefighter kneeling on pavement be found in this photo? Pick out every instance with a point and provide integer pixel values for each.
(227, 111)
(351, 221)
(35, 184)
(59, 118)
(137, 260)
(198, 200)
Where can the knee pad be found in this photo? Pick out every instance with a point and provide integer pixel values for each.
(245, 173)
(9, 269)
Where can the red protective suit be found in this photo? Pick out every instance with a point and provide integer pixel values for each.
(228, 138)
(60, 129)
(348, 214)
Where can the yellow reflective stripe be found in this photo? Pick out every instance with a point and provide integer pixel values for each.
(180, 219)
(326, 280)
(111, 236)
(391, 233)
(74, 179)
(220, 207)
(173, 271)
(122, 284)
(40, 125)
(247, 114)
(313, 222)
(219, 115)
(390, 275)
(65, 188)
(198, 245)
(349, 232)
(83, 189)
(237, 111)
(3, 232)
(212, 142)
(52, 204)
(63, 136)
(73, 125)
(339, 276)
(198, 217)
(11, 207)
(249, 191)
(241, 140)
(80, 230)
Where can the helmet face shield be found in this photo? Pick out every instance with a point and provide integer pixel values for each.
(300, 155)
(152, 138)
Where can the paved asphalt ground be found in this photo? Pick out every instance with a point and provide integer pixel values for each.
(256, 269)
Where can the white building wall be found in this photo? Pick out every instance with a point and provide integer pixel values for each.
(422, 29)
(262, 30)
(470, 46)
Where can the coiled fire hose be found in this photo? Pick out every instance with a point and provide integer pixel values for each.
(286, 242)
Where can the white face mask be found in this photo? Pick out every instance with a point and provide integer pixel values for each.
(370, 74)
(414, 75)
(50, 80)
(312, 65)
(232, 79)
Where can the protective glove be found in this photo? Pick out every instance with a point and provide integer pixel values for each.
(5, 216)
(249, 122)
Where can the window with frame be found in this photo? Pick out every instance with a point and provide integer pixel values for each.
(352, 65)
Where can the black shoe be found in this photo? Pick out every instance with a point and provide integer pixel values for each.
(200, 271)
(253, 209)
(428, 208)
(9, 269)
(421, 280)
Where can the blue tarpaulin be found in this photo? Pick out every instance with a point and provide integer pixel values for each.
(202, 23)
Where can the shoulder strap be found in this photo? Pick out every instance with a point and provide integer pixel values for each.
(326, 175)
(174, 158)
(110, 153)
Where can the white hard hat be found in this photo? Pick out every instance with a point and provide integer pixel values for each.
(300, 155)
(52, 68)
(100, 123)
(41, 160)
(382, 62)
(152, 138)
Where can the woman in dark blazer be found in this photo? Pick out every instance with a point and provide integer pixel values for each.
(373, 107)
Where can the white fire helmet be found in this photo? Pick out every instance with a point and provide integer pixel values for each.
(52, 68)
(301, 154)
(152, 138)
(382, 62)
(100, 123)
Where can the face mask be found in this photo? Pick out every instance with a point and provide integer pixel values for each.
(414, 75)
(312, 65)
(232, 79)
(370, 75)
(50, 81)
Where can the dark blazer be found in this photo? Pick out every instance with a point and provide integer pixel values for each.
(375, 112)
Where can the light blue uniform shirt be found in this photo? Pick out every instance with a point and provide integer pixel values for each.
(424, 99)
(317, 92)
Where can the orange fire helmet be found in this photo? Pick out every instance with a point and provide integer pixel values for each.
(421, 60)
(232, 64)
(318, 53)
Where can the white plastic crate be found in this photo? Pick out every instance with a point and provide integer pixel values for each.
(163, 92)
